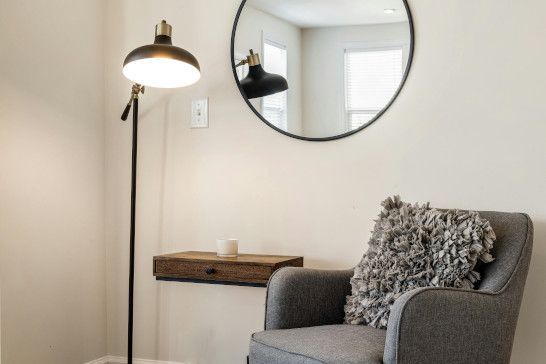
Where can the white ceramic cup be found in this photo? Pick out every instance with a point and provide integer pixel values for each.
(227, 248)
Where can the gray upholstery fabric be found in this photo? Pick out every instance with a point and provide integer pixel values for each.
(426, 324)
(513, 231)
(347, 344)
(301, 297)
(425, 320)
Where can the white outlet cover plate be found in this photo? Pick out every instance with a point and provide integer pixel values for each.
(200, 112)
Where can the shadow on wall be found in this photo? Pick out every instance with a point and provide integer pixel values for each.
(160, 302)
(530, 331)
(331, 264)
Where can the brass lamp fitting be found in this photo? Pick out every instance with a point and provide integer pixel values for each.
(135, 91)
(252, 60)
(163, 28)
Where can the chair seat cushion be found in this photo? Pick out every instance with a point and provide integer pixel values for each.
(339, 344)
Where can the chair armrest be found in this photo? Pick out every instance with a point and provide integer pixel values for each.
(448, 325)
(302, 297)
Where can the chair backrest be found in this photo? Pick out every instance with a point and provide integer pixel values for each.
(512, 250)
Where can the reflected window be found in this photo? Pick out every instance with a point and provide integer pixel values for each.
(274, 107)
(372, 77)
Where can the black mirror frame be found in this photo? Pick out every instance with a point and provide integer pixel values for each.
(323, 139)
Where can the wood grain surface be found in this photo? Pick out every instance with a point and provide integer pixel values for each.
(207, 266)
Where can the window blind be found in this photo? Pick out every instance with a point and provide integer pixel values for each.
(274, 107)
(372, 76)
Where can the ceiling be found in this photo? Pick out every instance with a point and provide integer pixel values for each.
(324, 13)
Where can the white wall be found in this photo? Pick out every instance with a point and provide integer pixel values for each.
(467, 131)
(253, 25)
(52, 273)
(323, 83)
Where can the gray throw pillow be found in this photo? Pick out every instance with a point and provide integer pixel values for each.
(416, 246)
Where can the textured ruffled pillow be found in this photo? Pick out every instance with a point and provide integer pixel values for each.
(416, 246)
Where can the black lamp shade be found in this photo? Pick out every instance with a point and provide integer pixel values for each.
(161, 65)
(259, 83)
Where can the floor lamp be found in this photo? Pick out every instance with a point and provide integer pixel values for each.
(159, 65)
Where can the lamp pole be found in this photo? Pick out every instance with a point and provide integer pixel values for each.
(132, 233)
(137, 89)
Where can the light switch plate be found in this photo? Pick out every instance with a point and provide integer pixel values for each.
(200, 112)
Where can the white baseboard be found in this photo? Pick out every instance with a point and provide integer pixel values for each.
(122, 360)
(102, 360)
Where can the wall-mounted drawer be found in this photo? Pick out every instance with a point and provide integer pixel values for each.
(245, 269)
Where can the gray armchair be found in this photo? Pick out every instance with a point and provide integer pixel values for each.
(304, 314)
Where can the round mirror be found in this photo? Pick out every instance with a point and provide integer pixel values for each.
(321, 69)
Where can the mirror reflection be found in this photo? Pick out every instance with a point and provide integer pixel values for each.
(342, 62)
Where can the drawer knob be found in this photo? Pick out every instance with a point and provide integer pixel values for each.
(209, 270)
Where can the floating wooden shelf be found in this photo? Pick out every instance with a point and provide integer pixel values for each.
(207, 267)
